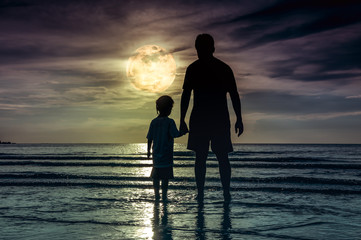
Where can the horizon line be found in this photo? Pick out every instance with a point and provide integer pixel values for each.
(248, 143)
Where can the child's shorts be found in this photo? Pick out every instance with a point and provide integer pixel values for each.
(162, 173)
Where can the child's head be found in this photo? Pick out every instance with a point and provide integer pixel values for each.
(164, 105)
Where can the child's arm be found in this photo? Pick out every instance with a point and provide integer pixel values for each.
(149, 147)
(173, 130)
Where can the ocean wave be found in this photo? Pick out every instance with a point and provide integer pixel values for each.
(177, 157)
(68, 157)
(274, 189)
(277, 159)
(77, 157)
(334, 166)
(291, 179)
(38, 219)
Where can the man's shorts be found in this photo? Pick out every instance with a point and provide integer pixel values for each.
(220, 141)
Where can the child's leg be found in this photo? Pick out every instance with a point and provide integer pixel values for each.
(156, 188)
(164, 188)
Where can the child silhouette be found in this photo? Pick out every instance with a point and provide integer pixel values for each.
(161, 134)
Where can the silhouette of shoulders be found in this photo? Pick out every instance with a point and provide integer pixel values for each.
(212, 61)
(209, 74)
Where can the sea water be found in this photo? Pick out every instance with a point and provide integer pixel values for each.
(103, 191)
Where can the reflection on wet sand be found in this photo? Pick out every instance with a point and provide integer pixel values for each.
(161, 228)
(226, 225)
(226, 222)
(165, 224)
(200, 231)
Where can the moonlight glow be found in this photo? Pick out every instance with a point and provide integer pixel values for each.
(151, 69)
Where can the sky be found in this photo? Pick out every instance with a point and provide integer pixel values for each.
(63, 67)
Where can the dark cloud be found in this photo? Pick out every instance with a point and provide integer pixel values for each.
(35, 51)
(86, 77)
(65, 15)
(59, 60)
(294, 19)
(286, 9)
(282, 103)
(324, 34)
(14, 4)
(315, 131)
(317, 26)
(328, 59)
(179, 49)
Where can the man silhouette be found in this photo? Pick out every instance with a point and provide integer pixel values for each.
(210, 79)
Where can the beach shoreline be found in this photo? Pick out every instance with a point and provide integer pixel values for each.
(74, 191)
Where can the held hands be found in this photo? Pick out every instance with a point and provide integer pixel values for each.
(183, 128)
(239, 127)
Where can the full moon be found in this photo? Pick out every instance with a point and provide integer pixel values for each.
(151, 69)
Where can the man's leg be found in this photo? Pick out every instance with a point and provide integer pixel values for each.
(164, 188)
(156, 188)
(225, 172)
(200, 171)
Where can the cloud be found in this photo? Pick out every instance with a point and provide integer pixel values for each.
(307, 41)
(351, 97)
(276, 103)
(62, 63)
(298, 18)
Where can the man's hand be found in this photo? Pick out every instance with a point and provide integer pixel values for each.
(239, 127)
(183, 128)
(148, 154)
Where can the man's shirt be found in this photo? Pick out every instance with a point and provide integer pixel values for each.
(210, 80)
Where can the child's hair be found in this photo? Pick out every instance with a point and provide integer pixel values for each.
(164, 105)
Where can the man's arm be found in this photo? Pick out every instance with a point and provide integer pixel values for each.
(186, 95)
(236, 103)
(149, 147)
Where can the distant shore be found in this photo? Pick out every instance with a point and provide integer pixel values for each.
(6, 142)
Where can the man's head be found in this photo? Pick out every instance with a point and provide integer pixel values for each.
(204, 45)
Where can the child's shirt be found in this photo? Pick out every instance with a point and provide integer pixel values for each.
(162, 131)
